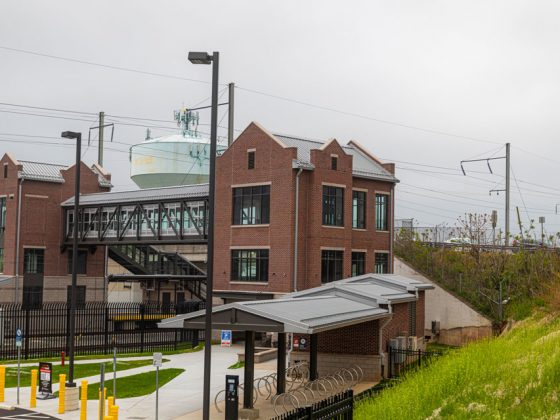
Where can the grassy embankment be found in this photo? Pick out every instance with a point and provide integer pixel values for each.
(530, 278)
(513, 376)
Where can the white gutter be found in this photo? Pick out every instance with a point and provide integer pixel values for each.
(296, 228)
(391, 240)
(381, 327)
(17, 239)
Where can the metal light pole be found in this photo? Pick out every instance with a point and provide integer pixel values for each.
(205, 58)
(72, 320)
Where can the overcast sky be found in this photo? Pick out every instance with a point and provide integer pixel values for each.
(480, 73)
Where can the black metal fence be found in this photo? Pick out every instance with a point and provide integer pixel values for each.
(130, 327)
(405, 359)
(337, 407)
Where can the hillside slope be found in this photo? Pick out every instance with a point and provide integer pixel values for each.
(514, 376)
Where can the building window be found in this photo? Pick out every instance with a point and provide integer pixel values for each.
(80, 296)
(331, 265)
(249, 265)
(381, 262)
(1, 260)
(412, 318)
(358, 209)
(358, 263)
(5, 170)
(34, 261)
(82, 261)
(251, 205)
(381, 211)
(251, 160)
(334, 163)
(333, 206)
(2, 214)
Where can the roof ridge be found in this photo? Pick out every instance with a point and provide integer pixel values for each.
(42, 163)
(299, 138)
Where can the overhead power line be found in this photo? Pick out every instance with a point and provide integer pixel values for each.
(107, 66)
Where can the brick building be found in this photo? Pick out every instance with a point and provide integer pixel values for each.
(344, 207)
(30, 213)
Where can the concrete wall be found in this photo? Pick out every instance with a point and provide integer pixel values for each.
(459, 323)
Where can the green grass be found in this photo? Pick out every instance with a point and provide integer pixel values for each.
(80, 370)
(514, 376)
(237, 365)
(135, 385)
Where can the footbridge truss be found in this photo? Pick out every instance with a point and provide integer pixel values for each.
(170, 215)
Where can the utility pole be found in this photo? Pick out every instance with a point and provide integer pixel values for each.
(231, 88)
(101, 130)
(508, 157)
(520, 224)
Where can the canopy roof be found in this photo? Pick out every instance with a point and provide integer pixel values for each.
(331, 306)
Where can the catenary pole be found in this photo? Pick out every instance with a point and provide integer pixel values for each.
(101, 138)
(507, 193)
(231, 88)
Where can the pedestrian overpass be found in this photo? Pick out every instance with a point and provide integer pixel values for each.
(133, 223)
(154, 216)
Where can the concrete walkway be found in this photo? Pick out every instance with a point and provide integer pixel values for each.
(181, 396)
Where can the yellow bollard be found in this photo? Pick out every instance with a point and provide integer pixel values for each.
(61, 393)
(115, 412)
(83, 397)
(2, 382)
(33, 398)
(110, 402)
(108, 418)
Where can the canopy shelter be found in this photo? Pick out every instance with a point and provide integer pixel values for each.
(332, 306)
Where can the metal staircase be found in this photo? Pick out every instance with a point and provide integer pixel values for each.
(145, 260)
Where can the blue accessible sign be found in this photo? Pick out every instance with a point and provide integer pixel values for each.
(19, 337)
(226, 338)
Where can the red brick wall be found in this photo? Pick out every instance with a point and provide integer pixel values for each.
(397, 326)
(355, 339)
(42, 219)
(273, 164)
(420, 313)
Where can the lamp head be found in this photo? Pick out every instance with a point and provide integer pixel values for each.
(200, 58)
(70, 135)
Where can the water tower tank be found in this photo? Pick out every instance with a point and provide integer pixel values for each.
(178, 159)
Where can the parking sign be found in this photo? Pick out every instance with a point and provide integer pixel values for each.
(226, 338)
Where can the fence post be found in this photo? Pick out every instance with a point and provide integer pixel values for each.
(390, 367)
(175, 344)
(106, 336)
(27, 334)
(142, 327)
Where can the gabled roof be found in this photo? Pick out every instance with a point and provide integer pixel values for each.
(305, 315)
(364, 165)
(181, 192)
(338, 304)
(51, 172)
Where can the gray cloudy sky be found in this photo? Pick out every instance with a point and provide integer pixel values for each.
(478, 69)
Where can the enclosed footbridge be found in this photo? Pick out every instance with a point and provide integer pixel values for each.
(169, 215)
(132, 224)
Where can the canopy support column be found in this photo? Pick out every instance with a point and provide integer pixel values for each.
(313, 357)
(249, 370)
(281, 364)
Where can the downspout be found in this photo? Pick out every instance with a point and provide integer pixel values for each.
(381, 352)
(392, 268)
(296, 230)
(18, 227)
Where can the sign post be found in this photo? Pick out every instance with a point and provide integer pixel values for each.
(114, 374)
(45, 381)
(158, 360)
(19, 341)
(102, 392)
(226, 338)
